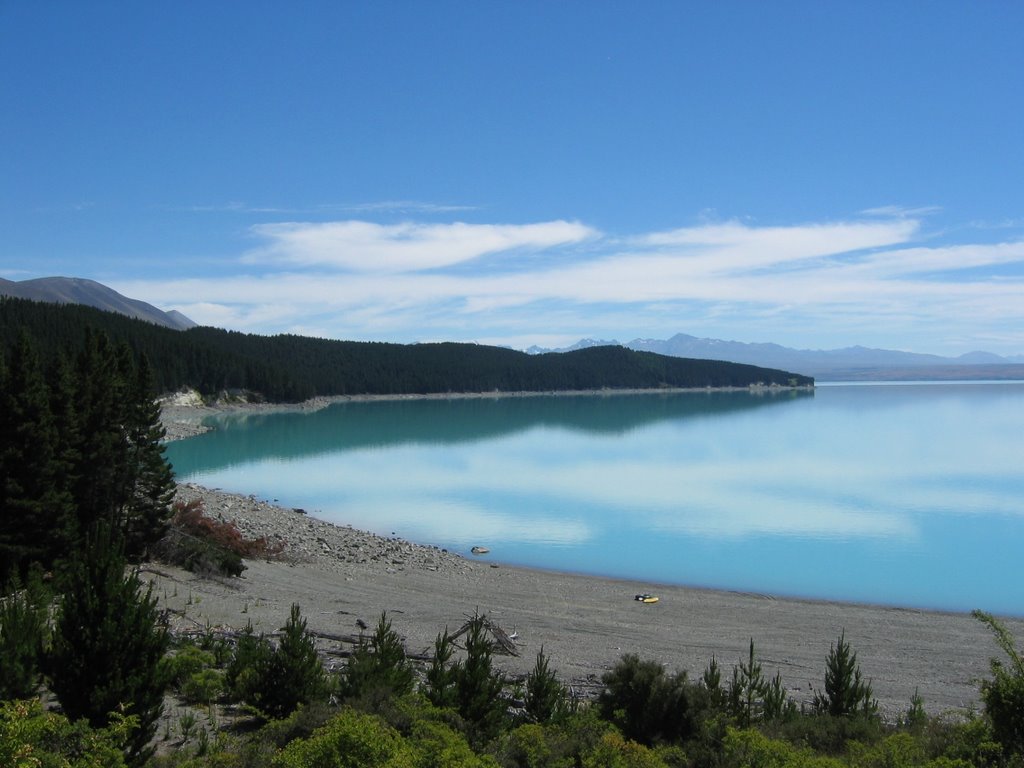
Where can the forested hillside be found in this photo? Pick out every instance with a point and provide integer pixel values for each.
(293, 368)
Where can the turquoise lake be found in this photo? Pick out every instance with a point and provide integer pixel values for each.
(900, 494)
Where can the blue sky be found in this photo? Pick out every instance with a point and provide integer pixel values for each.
(813, 174)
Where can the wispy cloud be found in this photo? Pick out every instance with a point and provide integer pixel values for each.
(406, 207)
(363, 246)
(849, 281)
(902, 211)
(396, 207)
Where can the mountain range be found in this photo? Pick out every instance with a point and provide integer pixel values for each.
(846, 364)
(77, 290)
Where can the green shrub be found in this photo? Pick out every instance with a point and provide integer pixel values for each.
(613, 751)
(350, 740)
(31, 737)
(752, 749)
(648, 704)
(1003, 693)
(437, 745)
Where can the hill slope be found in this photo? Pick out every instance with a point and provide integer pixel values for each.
(292, 368)
(76, 290)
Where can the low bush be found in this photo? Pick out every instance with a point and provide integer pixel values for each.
(30, 736)
(648, 704)
(202, 544)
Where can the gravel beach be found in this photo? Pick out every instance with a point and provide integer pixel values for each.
(342, 577)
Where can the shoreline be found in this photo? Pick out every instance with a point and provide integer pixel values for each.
(181, 413)
(338, 574)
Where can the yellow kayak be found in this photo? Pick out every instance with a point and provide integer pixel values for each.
(646, 598)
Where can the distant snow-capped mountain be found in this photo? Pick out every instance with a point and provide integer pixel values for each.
(849, 363)
(76, 290)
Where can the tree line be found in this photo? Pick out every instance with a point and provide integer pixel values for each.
(289, 368)
(80, 444)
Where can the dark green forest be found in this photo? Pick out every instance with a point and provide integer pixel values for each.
(288, 368)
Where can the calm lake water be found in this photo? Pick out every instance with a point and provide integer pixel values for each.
(908, 495)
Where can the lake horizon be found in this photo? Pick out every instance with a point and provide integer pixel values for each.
(904, 494)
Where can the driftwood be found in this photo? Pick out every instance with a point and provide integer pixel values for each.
(501, 640)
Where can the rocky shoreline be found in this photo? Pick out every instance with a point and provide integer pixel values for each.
(344, 578)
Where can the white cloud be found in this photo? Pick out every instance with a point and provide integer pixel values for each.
(406, 207)
(902, 210)
(837, 282)
(363, 246)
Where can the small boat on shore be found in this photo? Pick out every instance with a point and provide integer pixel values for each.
(646, 598)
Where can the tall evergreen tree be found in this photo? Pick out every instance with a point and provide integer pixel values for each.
(379, 665)
(846, 691)
(478, 685)
(102, 471)
(24, 631)
(292, 674)
(108, 642)
(545, 696)
(63, 407)
(33, 500)
(147, 509)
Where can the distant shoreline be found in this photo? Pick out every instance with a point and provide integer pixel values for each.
(182, 413)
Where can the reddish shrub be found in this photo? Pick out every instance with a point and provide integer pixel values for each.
(192, 518)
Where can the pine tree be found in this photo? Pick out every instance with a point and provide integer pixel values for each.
(478, 685)
(379, 665)
(745, 689)
(147, 509)
(32, 498)
(292, 674)
(102, 476)
(545, 696)
(23, 632)
(108, 642)
(846, 692)
(1003, 693)
(439, 686)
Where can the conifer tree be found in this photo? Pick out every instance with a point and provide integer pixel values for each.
(439, 686)
(478, 685)
(108, 642)
(545, 696)
(147, 509)
(846, 692)
(379, 665)
(32, 499)
(23, 633)
(63, 407)
(101, 476)
(292, 674)
(1003, 693)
